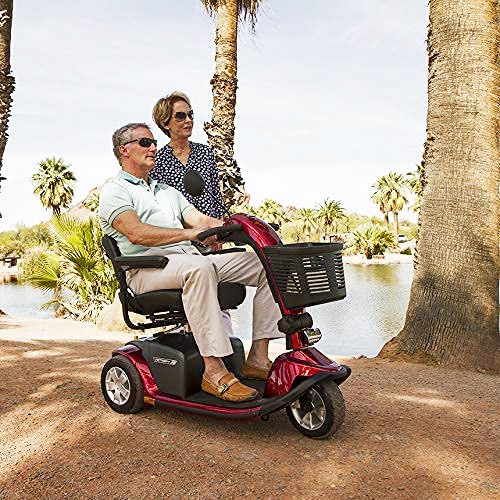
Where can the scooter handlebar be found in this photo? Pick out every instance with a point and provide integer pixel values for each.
(221, 231)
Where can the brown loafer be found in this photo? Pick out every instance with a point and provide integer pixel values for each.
(229, 388)
(254, 372)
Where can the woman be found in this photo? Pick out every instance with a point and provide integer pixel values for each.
(174, 116)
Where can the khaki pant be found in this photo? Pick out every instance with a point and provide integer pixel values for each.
(198, 277)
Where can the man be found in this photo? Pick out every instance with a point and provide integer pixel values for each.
(149, 218)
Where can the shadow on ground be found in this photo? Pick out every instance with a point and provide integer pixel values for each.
(411, 431)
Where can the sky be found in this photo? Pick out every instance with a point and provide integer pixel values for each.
(331, 94)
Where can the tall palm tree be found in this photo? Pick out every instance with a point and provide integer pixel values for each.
(54, 183)
(220, 129)
(452, 316)
(330, 215)
(7, 81)
(308, 221)
(392, 194)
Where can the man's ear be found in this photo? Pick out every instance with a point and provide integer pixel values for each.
(123, 151)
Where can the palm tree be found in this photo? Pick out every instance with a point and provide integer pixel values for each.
(54, 184)
(7, 81)
(308, 221)
(414, 180)
(330, 215)
(273, 212)
(372, 239)
(77, 265)
(392, 195)
(379, 197)
(220, 129)
(452, 316)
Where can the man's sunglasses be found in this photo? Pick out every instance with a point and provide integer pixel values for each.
(144, 142)
(180, 116)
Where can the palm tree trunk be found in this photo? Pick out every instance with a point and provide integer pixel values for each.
(220, 130)
(6, 79)
(452, 316)
(386, 218)
(396, 223)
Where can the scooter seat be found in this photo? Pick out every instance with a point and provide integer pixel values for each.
(155, 302)
(230, 295)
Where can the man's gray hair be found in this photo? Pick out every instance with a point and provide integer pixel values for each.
(123, 135)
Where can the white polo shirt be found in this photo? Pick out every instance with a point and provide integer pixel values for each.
(154, 203)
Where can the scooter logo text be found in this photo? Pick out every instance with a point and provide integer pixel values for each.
(165, 361)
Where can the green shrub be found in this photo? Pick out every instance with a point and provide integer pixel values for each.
(412, 233)
(290, 232)
(77, 272)
(372, 239)
(22, 239)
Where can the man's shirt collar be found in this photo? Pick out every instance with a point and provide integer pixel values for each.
(136, 180)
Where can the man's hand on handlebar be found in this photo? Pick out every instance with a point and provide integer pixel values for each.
(215, 247)
(212, 242)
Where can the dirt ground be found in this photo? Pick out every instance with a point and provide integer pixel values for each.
(411, 431)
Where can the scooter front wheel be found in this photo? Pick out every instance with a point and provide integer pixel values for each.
(319, 412)
(121, 385)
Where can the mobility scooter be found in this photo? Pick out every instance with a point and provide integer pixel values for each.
(165, 369)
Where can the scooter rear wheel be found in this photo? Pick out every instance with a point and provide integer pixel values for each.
(319, 412)
(121, 385)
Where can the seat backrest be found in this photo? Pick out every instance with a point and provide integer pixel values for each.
(111, 247)
(112, 252)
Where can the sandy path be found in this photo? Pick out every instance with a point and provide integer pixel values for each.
(411, 431)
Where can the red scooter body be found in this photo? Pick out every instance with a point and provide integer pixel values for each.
(287, 369)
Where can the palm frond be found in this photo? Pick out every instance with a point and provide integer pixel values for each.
(247, 9)
(45, 273)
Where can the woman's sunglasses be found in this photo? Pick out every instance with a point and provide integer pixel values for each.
(144, 142)
(180, 116)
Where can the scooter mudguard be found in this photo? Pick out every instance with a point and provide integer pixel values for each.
(291, 367)
(134, 355)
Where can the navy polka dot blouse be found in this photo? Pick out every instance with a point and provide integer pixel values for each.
(169, 170)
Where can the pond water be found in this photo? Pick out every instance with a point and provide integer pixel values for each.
(372, 313)
(22, 300)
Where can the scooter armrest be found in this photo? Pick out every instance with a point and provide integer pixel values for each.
(142, 262)
(226, 250)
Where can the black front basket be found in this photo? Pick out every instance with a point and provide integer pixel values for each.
(307, 274)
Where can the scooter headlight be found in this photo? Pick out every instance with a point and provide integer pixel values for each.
(312, 335)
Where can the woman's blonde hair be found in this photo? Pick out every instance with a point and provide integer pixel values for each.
(162, 111)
